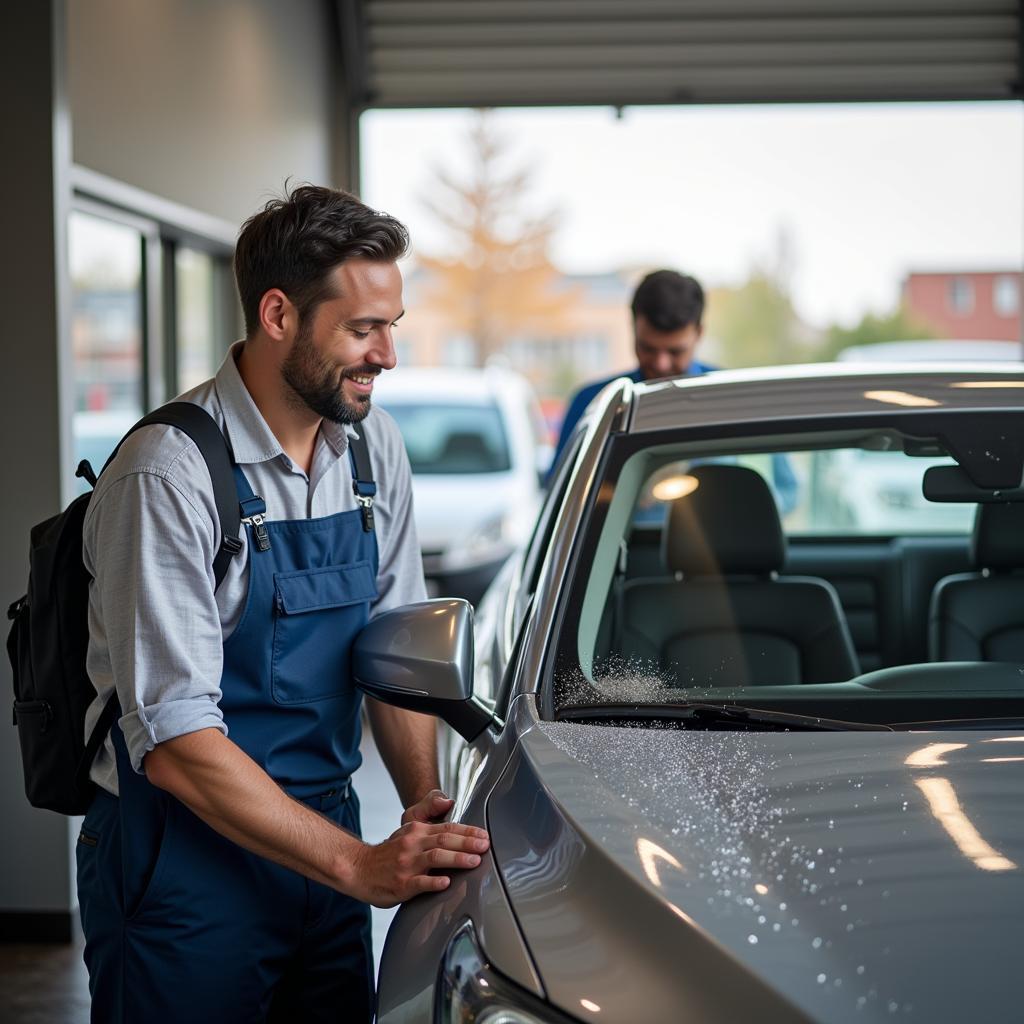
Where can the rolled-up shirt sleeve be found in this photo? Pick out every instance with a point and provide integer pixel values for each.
(152, 604)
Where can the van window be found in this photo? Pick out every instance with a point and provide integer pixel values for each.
(456, 439)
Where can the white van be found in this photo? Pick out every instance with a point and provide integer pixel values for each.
(476, 442)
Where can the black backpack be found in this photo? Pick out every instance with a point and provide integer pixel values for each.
(49, 637)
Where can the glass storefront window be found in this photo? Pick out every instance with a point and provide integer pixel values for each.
(198, 346)
(106, 332)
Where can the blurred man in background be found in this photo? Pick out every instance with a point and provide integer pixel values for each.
(668, 311)
(667, 324)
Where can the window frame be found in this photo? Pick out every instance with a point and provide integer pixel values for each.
(540, 539)
(1005, 285)
(164, 226)
(622, 447)
(167, 226)
(224, 305)
(152, 383)
(956, 307)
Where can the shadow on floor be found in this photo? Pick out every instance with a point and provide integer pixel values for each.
(43, 985)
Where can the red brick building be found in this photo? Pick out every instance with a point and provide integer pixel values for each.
(967, 304)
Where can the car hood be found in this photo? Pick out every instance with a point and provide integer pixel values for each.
(829, 876)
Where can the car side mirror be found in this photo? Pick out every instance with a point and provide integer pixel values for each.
(420, 657)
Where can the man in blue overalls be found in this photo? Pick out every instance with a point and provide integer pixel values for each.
(221, 875)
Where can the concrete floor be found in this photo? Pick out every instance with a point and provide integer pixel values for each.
(49, 985)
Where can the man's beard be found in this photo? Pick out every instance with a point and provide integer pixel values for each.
(317, 384)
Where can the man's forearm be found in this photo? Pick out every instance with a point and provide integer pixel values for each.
(232, 794)
(407, 742)
(221, 784)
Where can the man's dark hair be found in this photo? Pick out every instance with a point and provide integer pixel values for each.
(668, 301)
(294, 243)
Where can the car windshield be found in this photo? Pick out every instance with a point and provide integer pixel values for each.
(452, 438)
(807, 574)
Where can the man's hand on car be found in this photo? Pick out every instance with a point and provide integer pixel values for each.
(404, 865)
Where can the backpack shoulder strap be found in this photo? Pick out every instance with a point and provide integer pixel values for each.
(213, 445)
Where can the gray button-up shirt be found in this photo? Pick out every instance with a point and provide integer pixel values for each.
(156, 626)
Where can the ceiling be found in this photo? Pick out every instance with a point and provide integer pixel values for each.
(459, 53)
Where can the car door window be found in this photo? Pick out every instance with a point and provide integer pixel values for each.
(505, 684)
(538, 546)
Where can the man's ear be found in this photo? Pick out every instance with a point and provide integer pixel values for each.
(278, 317)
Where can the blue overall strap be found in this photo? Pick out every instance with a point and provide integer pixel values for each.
(252, 510)
(362, 475)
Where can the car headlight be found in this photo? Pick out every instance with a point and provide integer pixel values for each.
(471, 992)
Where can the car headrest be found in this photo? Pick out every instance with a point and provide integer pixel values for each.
(998, 540)
(729, 525)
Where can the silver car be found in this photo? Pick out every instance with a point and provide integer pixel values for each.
(735, 766)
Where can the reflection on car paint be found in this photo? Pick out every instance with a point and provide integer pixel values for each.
(745, 825)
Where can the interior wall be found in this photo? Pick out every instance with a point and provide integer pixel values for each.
(212, 105)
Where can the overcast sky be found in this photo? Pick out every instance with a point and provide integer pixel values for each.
(863, 193)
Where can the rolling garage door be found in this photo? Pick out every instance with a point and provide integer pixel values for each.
(422, 53)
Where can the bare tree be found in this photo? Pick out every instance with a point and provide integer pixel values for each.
(497, 280)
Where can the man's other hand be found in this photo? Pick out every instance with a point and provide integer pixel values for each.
(433, 807)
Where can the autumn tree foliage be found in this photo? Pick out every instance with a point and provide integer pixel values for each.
(496, 280)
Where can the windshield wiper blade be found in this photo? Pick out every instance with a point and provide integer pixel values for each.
(704, 712)
(782, 719)
(965, 724)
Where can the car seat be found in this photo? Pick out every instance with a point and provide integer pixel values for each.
(726, 618)
(979, 616)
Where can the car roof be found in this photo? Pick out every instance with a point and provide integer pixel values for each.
(823, 390)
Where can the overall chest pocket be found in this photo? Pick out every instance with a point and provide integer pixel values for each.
(317, 615)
